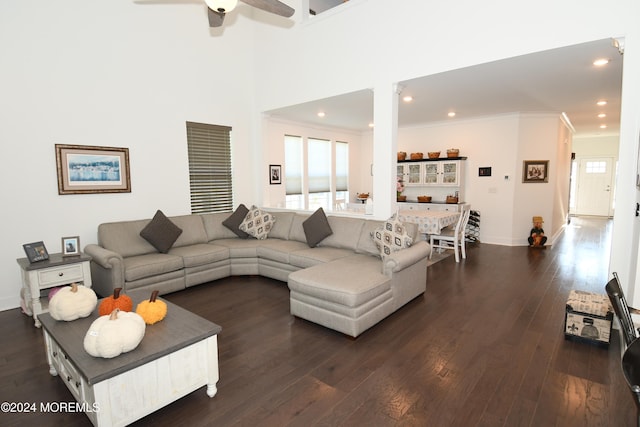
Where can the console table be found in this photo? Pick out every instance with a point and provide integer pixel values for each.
(56, 271)
(176, 356)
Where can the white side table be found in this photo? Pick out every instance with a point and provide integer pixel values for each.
(56, 271)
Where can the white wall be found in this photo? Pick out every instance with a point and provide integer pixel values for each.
(108, 73)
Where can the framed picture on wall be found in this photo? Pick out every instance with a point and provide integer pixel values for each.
(535, 171)
(275, 174)
(85, 169)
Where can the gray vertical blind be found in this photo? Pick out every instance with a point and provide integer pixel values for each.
(210, 176)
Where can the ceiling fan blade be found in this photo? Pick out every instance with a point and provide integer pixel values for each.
(272, 6)
(215, 18)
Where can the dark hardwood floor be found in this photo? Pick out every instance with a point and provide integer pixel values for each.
(483, 347)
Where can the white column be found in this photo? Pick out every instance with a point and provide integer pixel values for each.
(385, 144)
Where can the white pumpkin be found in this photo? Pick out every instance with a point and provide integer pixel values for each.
(72, 302)
(113, 334)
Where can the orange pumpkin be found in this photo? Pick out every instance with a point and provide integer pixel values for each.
(153, 310)
(121, 302)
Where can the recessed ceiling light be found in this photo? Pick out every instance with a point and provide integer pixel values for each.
(601, 115)
(602, 102)
(600, 62)
(407, 98)
(321, 114)
(451, 114)
(603, 126)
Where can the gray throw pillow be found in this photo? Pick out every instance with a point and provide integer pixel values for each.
(236, 218)
(316, 228)
(161, 232)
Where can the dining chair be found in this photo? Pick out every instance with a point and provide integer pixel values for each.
(622, 310)
(452, 238)
(631, 371)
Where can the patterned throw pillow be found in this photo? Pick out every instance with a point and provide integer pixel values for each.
(257, 223)
(391, 237)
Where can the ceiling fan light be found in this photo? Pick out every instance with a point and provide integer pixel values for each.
(222, 6)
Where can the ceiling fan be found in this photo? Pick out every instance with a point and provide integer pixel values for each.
(218, 8)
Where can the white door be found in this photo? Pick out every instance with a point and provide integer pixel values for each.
(594, 187)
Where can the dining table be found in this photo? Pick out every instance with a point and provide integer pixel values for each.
(429, 222)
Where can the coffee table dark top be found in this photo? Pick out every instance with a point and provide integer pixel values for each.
(179, 329)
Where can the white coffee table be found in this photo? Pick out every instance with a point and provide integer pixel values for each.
(176, 356)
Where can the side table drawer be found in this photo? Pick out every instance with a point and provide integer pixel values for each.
(60, 275)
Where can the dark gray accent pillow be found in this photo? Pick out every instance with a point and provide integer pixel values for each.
(316, 228)
(235, 219)
(161, 232)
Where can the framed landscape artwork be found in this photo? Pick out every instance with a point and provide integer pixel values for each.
(85, 169)
(535, 171)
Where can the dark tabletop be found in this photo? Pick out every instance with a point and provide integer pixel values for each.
(179, 329)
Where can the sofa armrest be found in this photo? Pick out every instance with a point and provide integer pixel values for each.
(400, 260)
(107, 270)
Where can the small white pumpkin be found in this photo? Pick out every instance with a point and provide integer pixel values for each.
(72, 302)
(113, 334)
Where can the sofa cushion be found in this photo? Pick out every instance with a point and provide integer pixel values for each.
(200, 254)
(240, 248)
(319, 255)
(257, 223)
(316, 228)
(235, 219)
(346, 232)
(366, 245)
(297, 231)
(328, 283)
(281, 228)
(139, 267)
(279, 250)
(161, 232)
(213, 226)
(391, 237)
(193, 231)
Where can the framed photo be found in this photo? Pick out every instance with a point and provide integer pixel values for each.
(484, 171)
(71, 246)
(275, 174)
(85, 169)
(36, 251)
(535, 171)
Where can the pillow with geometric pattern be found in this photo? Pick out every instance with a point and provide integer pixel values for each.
(391, 237)
(257, 223)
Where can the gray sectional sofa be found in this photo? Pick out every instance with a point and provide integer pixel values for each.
(342, 283)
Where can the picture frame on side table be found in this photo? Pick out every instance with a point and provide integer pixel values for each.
(86, 169)
(70, 246)
(36, 251)
(535, 171)
(275, 174)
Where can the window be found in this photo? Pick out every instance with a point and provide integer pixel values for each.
(319, 181)
(596, 167)
(210, 168)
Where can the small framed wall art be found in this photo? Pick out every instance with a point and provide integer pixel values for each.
(275, 174)
(535, 171)
(85, 169)
(36, 251)
(70, 246)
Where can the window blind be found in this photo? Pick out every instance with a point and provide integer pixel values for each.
(342, 166)
(210, 176)
(293, 164)
(319, 165)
